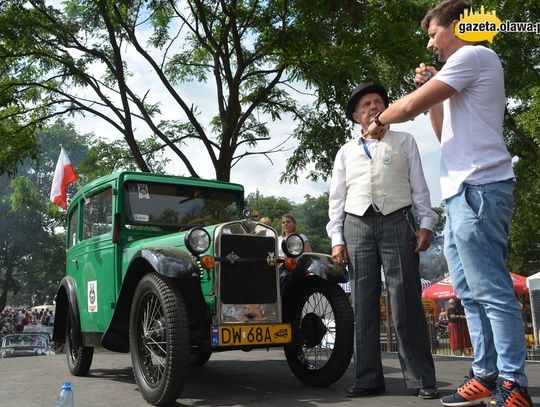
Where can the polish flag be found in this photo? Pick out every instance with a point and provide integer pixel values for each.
(64, 174)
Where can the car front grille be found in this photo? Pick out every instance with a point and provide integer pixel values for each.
(249, 280)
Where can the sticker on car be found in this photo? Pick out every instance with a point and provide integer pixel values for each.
(92, 296)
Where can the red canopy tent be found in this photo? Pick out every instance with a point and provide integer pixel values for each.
(443, 290)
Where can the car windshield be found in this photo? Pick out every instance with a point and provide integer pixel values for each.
(179, 207)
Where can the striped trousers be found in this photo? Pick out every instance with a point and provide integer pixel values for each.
(373, 241)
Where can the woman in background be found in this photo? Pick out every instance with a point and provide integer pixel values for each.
(288, 226)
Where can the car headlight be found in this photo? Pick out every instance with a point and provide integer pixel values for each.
(293, 245)
(197, 241)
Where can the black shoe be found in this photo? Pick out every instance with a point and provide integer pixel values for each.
(427, 393)
(361, 392)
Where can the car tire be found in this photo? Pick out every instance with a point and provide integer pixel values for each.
(159, 339)
(320, 312)
(79, 358)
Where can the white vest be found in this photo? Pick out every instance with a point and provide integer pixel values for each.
(382, 180)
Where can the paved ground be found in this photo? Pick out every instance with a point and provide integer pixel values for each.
(257, 378)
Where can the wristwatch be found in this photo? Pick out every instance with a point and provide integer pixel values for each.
(377, 121)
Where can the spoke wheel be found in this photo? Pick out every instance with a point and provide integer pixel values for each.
(79, 358)
(323, 331)
(159, 339)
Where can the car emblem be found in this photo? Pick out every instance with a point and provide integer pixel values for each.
(271, 259)
(232, 257)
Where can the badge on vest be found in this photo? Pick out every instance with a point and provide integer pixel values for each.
(386, 159)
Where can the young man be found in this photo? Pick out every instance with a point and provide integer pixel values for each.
(466, 102)
(374, 183)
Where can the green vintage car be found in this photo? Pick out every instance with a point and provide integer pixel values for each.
(172, 269)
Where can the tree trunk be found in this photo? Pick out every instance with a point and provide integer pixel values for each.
(5, 288)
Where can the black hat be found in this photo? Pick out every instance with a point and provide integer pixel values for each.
(361, 90)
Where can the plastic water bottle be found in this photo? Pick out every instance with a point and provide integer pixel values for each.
(65, 398)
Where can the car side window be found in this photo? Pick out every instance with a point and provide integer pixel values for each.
(97, 214)
(72, 228)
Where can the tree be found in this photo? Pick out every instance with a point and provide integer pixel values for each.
(312, 214)
(32, 254)
(105, 157)
(270, 206)
(48, 141)
(19, 141)
(524, 253)
(24, 213)
(77, 60)
(520, 52)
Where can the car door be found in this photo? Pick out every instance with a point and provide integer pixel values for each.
(93, 260)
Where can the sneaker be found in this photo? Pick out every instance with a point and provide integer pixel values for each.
(473, 392)
(510, 394)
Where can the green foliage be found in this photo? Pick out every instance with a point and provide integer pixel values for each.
(32, 261)
(107, 157)
(48, 141)
(311, 216)
(77, 58)
(525, 236)
(18, 142)
(368, 41)
(31, 252)
(270, 206)
(524, 253)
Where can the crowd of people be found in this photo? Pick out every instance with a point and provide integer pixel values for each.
(14, 319)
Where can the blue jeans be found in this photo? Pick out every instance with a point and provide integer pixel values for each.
(475, 247)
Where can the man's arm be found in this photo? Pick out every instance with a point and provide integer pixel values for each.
(336, 209)
(419, 101)
(433, 93)
(420, 195)
(436, 114)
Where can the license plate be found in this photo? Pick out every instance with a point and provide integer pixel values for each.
(260, 334)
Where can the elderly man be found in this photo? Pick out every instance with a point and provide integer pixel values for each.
(374, 184)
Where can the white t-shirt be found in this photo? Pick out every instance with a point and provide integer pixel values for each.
(472, 144)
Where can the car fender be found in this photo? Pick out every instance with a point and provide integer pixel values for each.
(168, 261)
(66, 300)
(321, 265)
